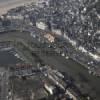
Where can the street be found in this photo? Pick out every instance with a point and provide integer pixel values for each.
(4, 86)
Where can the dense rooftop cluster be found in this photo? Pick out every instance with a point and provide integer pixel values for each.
(79, 19)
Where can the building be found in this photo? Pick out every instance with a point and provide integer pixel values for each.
(49, 37)
(49, 88)
(72, 94)
(41, 25)
(57, 81)
(23, 70)
(57, 32)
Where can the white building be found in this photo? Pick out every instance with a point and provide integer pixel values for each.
(20, 17)
(57, 32)
(41, 25)
(39, 2)
(49, 88)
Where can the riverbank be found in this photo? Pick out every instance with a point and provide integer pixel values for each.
(6, 5)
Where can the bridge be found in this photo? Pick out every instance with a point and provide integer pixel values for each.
(21, 70)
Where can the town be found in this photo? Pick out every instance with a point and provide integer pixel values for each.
(42, 32)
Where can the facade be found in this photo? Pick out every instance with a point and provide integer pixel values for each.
(41, 25)
(49, 37)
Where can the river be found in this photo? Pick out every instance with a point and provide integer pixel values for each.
(6, 57)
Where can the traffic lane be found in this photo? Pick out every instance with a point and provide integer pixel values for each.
(16, 35)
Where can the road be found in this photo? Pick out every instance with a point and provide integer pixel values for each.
(4, 86)
(87, 83)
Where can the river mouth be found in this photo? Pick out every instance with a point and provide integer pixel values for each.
(9, 56)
